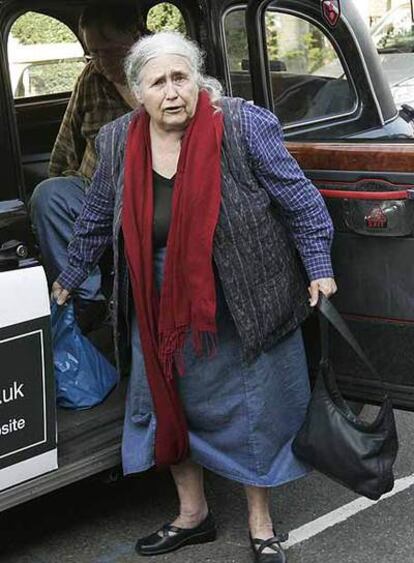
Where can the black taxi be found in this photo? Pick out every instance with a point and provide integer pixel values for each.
(316, 65)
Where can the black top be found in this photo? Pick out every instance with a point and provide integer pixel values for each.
(162, 208)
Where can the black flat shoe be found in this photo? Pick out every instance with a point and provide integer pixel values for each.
(258, 546)
(162, 542)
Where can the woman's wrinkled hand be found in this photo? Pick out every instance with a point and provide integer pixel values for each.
(327, 286)
(59, 293)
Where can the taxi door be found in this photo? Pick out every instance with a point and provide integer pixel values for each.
(314, 64)
(27, 402)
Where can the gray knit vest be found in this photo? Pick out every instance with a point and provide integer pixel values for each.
(257, 263)
(258, 266)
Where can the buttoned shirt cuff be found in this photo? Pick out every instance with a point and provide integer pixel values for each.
(318, 267)
(72, 278)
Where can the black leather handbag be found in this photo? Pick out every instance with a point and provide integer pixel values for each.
(358, 454)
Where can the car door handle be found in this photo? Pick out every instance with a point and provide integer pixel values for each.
(348, 194)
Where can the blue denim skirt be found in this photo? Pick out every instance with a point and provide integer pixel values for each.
(241, 417)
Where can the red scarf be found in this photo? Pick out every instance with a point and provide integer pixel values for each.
(188, 296)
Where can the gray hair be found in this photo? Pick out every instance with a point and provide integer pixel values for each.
(169, 43)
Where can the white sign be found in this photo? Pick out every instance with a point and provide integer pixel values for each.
(27, 384)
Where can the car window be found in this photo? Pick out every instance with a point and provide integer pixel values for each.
(395, 32)
(393, 37)
(166, 16)
(45, 56)
(307, 78)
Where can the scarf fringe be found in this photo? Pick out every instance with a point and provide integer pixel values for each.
(205, 342)
(171, 350)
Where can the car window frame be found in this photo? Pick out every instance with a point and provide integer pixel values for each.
(190, 17)
(375, 29)
(299, 125)
(57, 62)
(14, 188)
(28, 100)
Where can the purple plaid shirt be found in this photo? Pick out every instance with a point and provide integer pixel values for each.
(278, 172)
(298, 199)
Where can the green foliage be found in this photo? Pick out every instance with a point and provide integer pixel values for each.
(317, 53)
(309, 55)
(32, 28)
(236, 38)
(271, 38)
(165, 16)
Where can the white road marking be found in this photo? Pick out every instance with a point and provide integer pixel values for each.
(342, 513)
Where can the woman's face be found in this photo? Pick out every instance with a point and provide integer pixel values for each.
(168, 92)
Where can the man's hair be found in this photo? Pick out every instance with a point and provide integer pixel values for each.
(121, 16)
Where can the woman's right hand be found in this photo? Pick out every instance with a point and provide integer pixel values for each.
(59, 293)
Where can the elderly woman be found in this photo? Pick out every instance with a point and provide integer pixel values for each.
(206, 210)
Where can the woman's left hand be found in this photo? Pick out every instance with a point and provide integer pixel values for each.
(327, 286)
(59, 293)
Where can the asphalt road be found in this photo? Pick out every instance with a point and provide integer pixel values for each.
(93, 522)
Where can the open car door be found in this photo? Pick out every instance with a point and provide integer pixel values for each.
(362, 160)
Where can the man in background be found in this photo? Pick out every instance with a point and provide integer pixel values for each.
(108, 31)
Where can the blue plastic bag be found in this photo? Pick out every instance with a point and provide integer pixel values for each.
(84, 377)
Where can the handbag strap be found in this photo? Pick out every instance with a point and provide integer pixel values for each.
(328, 314)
